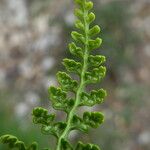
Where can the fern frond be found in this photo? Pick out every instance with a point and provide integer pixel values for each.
(13, 142)
(89, 69)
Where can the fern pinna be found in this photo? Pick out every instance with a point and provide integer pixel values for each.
(90, 70)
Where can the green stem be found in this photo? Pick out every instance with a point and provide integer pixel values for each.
(81, 86)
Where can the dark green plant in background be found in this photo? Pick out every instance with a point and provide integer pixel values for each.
(118, 35)
(88, 70)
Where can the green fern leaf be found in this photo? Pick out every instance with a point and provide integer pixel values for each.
(71, 94)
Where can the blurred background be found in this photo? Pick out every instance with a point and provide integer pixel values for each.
(34, 35)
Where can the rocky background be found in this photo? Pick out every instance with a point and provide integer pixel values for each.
(33, 40)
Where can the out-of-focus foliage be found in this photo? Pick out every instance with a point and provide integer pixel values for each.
(115, 20)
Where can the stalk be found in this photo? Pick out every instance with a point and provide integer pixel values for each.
(81, 86)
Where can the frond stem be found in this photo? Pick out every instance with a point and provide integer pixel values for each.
(81, 86)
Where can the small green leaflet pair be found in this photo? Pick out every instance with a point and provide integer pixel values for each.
(89, 70)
